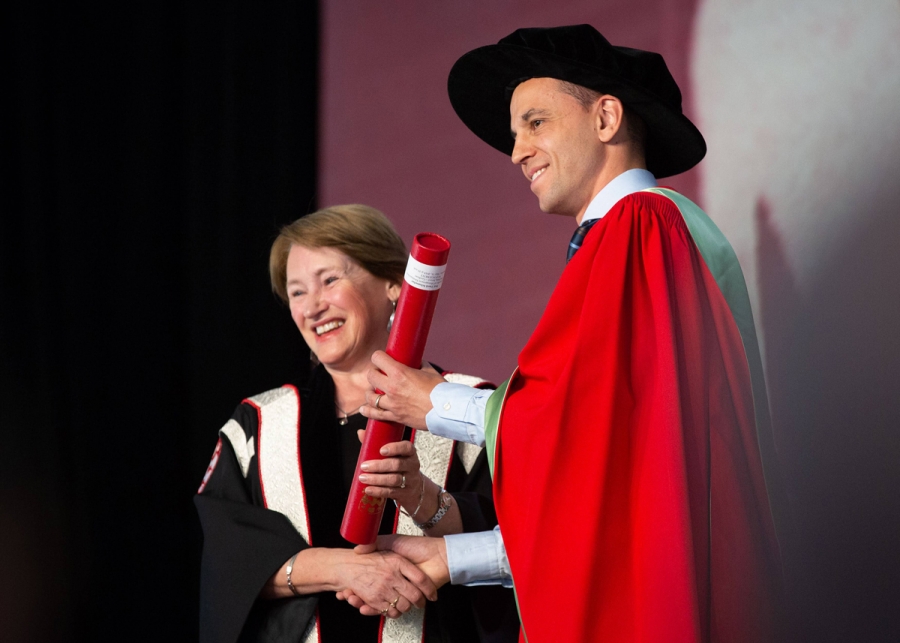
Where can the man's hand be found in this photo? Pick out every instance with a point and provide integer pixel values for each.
(406, 398)
(428, 554)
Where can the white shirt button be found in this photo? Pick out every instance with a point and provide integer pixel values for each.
(446, 406)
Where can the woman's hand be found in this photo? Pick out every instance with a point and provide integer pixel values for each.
(419, 497)
(397, 476)
(384, 581)
(406, 398)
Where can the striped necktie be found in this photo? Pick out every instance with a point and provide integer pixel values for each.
(578, 238)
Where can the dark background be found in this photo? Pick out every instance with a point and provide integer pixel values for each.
(151, 153)
(152, 150)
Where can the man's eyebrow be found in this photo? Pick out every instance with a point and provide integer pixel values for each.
(534, 111)
(531, 113)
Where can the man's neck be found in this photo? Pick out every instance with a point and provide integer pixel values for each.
(620, 186)
(611, 170)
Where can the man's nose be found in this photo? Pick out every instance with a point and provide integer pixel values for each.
(521, 151)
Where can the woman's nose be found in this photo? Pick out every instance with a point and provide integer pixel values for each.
(314, 305)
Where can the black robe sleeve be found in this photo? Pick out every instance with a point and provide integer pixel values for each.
(473, 494)
(244, 544)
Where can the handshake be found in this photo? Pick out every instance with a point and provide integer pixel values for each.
(395, 573)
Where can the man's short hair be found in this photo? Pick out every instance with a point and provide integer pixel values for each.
(634, 125)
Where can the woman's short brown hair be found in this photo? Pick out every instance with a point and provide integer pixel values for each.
(362, 233)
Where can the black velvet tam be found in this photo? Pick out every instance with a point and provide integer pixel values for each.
(481, 84)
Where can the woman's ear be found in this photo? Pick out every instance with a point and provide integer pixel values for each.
(393, 291)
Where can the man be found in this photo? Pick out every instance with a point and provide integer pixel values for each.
(626, 446)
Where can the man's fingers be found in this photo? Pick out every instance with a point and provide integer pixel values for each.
(377, 379)
(384, 362)
(378, 401)
(419, 579)
(378, 414)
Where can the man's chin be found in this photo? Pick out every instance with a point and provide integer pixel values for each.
(549, 206)
(557, 210)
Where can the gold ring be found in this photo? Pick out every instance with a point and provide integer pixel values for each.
(377, 400)
(394, 602)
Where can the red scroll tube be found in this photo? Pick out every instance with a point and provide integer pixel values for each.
(406, 344)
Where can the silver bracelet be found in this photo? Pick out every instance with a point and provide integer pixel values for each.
(444, 501)
(290, 568)
(419, 506)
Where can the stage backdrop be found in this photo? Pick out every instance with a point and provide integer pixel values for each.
(390, 138)
(795, 98)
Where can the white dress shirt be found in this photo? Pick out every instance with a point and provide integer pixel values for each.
(458, 413)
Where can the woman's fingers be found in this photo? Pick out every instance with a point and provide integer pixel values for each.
(402, 607)
(401, 449)
(397, 457)
(385, 486)
(396, 476)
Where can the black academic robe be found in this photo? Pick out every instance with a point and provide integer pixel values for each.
(245, 543)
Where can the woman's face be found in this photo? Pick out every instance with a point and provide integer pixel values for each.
(341, 309)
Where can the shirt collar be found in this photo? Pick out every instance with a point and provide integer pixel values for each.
(626, 183)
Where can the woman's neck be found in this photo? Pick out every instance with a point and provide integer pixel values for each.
(349, 389)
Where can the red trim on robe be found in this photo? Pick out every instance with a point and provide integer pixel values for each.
(259, 428)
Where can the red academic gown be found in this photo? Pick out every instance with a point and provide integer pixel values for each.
(627, 472)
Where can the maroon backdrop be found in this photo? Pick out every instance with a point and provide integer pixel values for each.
(390, 139)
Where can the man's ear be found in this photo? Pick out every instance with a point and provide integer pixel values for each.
(609, 113)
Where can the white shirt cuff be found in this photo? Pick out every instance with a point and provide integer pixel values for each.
(458, 412)
(478, 559)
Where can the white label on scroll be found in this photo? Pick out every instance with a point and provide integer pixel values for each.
(424, 277)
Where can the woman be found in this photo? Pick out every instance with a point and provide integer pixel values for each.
(273, 497)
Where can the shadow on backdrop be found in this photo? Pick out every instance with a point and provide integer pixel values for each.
(833, 362)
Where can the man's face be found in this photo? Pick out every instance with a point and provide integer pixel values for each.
(556, 145)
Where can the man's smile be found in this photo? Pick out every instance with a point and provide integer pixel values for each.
(537, 173)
